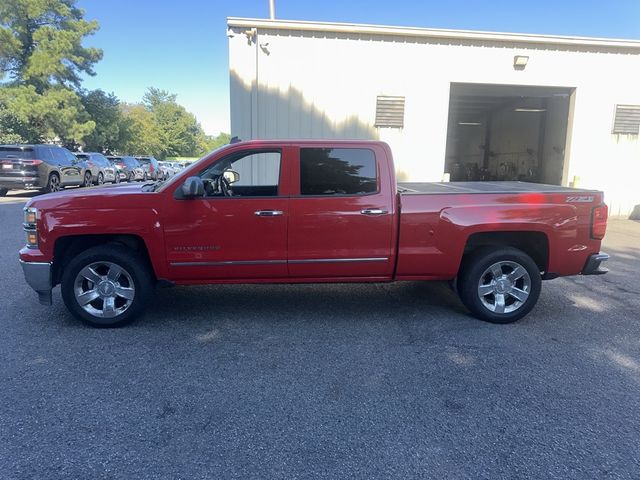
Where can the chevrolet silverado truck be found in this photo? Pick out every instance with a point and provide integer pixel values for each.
(306, 212)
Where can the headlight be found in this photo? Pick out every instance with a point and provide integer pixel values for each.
(30, 226)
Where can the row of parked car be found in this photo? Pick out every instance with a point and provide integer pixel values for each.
(51, 168)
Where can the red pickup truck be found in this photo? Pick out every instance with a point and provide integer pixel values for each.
(302, 212)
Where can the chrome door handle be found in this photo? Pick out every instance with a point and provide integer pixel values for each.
(268, 213)
(373, 211)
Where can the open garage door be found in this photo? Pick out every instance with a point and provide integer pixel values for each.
(507, 132)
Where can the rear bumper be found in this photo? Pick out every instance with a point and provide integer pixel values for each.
(20, 183)
(592, 267)
(38, 276)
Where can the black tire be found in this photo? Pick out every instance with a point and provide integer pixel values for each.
(474, 274)
(131, 178)
(117, 180)
(3, 192)
(53, 183)
(144, 177)
(87, 180)
(100, 180)
(125, 258)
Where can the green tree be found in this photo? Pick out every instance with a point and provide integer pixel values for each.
(211, 142)
(155, 97)
(144, 135)
(41, 43)
(41, 62)
(112, 132)
(163, 128)
(55, 115)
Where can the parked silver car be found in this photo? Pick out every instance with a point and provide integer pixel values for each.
(129, 169)
(98, 166)
(166, 170)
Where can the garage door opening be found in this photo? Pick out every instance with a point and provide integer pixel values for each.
(507, 132)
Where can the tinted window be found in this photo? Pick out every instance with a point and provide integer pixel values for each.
(59, 158)
(71, 158)
(101, 160)
(337, 171)
(15, 152)
(82, 156)
(144, 161)
(44, 154)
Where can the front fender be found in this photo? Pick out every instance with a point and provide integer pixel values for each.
(143, 223)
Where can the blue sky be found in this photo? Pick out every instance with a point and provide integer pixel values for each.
(181, 46)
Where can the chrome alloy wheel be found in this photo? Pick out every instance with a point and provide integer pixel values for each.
(504, 287)
(104, 289)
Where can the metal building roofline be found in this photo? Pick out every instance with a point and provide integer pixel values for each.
(432, 33)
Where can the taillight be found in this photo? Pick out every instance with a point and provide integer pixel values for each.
(31, 162)
(599, 221)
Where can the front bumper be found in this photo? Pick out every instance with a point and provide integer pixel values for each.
(38, 276)
(592, 267)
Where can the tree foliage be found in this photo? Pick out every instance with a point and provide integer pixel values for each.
(57, 114)
(164, 128)
(112, 128)
(41, 43)
(42, 60)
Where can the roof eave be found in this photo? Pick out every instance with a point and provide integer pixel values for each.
(432, 33)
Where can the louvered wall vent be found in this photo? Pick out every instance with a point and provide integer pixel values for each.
(627, 119)
(389, 111)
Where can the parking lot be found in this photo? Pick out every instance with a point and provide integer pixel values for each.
(324, 381)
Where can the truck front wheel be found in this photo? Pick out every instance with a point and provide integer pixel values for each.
(499, 284)
(106, 286)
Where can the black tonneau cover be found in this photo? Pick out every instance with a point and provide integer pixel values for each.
(408, 188)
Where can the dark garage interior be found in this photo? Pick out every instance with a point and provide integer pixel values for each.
(507, 132)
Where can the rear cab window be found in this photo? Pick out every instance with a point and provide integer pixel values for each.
(337, 171)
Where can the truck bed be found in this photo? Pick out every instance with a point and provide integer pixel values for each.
(408, 188)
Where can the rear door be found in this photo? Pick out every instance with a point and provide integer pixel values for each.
(70, 173)
(342, 217)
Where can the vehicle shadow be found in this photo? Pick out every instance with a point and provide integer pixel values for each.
(309, 302)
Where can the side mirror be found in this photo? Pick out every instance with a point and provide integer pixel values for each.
(193, 187)
(231, 176)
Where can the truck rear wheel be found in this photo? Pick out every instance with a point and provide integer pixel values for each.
(106, 286)
(499, 284)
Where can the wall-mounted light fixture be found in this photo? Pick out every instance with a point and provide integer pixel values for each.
(520, 61)
(527, 109)
(470, 124)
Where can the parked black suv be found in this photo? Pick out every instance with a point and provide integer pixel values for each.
(41, 167)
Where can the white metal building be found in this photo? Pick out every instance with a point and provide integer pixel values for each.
(457, 105)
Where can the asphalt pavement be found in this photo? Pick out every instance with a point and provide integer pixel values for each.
(324, 381)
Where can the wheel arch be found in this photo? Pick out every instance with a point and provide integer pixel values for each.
(67, 247)
(533, 243)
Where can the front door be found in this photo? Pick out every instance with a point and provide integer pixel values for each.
(238, 230)
(341, 222)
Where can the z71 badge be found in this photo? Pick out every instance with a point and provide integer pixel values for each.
(580, 199)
